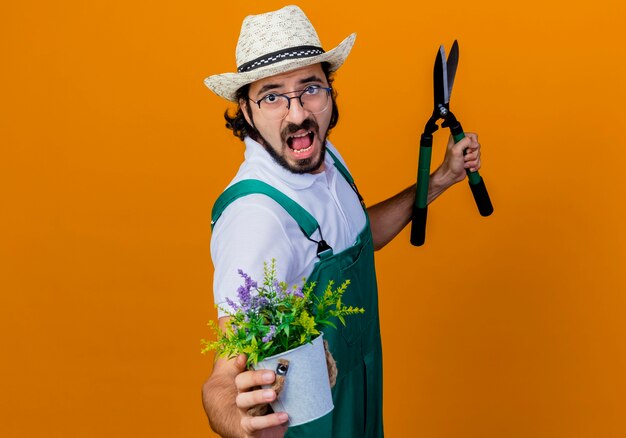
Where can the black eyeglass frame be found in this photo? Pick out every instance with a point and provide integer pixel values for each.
(298, 96)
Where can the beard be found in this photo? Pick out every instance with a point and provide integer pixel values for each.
(305, 165)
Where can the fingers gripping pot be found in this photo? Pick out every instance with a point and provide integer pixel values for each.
(304, 377)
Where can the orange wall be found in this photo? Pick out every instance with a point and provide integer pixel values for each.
(112, 152)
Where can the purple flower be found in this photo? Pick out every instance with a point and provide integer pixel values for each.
(279, 289)
(257, 303)
(244, 297)
(243, 292)
(297, 292)
(270, 334)
(249, 282)
(232, 304)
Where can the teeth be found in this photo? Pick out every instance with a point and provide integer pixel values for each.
(299, 151)
(302, 135)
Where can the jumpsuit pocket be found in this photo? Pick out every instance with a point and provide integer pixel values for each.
(361, 292)
(352, 332)
(355, 296)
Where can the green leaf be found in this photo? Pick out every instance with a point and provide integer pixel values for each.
(329, 323)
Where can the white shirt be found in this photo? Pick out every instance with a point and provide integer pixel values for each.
(256, 229)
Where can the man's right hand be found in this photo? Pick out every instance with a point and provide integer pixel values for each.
(249, 395)
(231, 391)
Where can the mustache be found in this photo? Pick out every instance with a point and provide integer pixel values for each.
(292, 128)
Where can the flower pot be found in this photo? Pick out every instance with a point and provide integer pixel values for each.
(305, 395)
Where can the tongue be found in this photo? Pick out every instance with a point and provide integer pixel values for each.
(298, 143)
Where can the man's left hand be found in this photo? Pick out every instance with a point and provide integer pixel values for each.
(462, 156)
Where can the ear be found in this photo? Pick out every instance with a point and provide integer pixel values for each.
(243, 104)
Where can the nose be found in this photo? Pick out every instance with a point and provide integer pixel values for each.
(296, 112)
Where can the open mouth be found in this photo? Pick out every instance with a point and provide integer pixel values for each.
(302, 142)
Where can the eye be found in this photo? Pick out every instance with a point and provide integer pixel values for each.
(271, 99)
(312, 89)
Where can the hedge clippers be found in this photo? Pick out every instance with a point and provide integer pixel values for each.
(443, 75)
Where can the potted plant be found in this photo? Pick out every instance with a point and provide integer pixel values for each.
(279, 327)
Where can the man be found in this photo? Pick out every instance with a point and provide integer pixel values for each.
(286, 108)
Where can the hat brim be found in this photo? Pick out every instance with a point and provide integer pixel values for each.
(227, 84)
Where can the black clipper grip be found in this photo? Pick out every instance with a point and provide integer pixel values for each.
(418, 226)
(481, 197)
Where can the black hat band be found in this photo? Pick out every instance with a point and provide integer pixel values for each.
(271, 58)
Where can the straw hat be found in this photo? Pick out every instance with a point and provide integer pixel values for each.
(274, 43)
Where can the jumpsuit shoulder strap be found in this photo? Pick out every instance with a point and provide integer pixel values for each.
(303, 218)
(246, 187)
(344, 172)
(340, 167)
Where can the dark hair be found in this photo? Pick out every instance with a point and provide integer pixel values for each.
(240, 126)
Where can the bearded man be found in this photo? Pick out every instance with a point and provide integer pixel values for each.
(286, 109)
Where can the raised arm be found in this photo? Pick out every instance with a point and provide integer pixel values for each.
(389, 217)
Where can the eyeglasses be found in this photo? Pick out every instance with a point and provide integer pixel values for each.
(275, 106)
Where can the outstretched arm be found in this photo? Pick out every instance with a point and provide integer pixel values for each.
(389, 217)
(228, 394)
